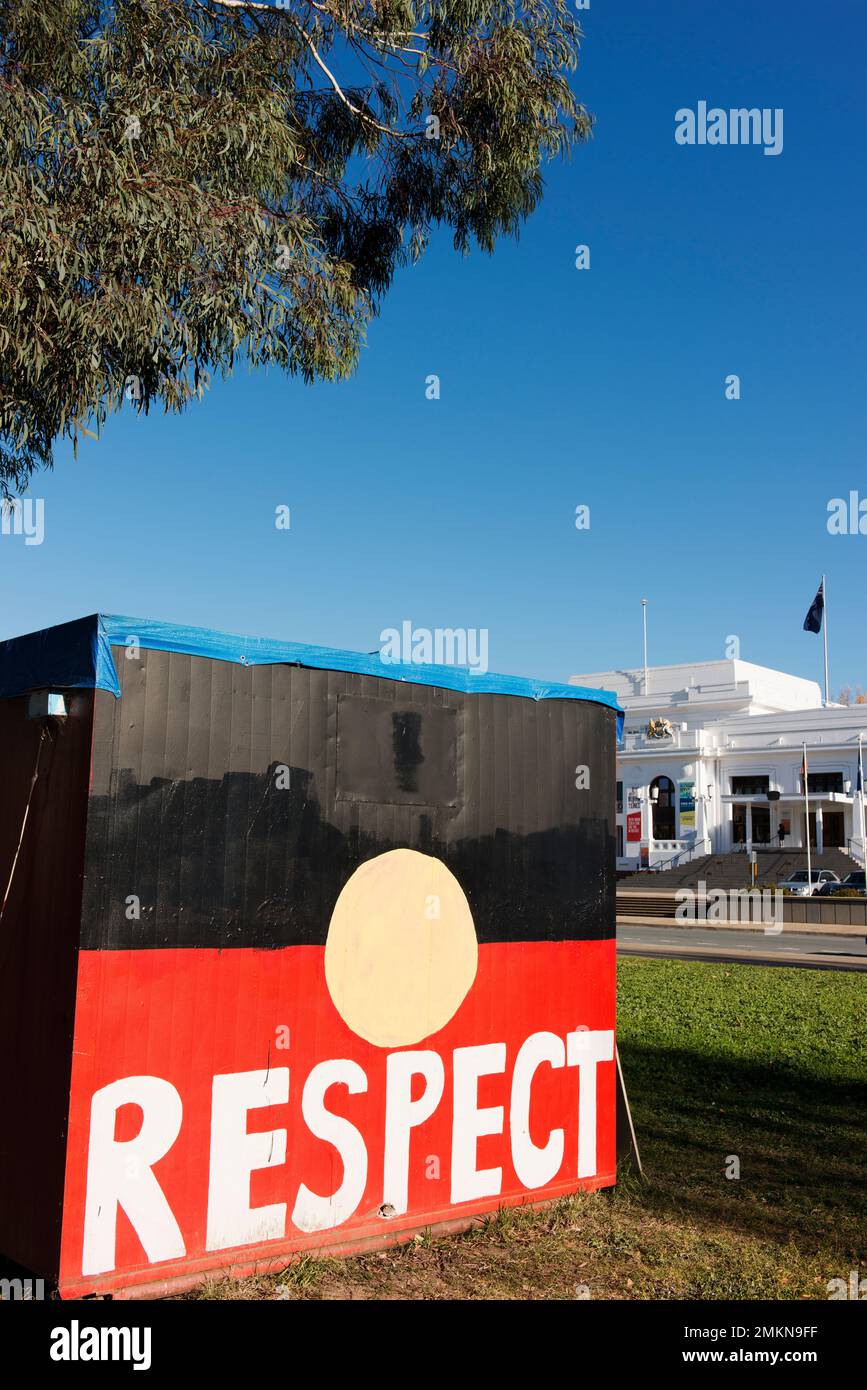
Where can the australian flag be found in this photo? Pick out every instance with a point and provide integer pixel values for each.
(813, 620)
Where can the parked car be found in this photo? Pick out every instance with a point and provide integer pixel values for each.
(856, 882)
(801, 885)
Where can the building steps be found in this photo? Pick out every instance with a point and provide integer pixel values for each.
(646, 905)
(733, 870)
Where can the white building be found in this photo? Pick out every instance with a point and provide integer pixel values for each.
(712, 756)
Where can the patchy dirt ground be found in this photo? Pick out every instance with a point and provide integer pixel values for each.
(586, 1247)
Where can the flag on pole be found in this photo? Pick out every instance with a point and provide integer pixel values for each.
(813, 620)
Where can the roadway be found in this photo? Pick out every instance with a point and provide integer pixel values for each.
(819, 952)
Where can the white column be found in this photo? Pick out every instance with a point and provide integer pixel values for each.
(820, 836)
(749, 826)
(646, 823)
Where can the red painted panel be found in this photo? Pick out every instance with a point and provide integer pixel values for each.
(186, 1016)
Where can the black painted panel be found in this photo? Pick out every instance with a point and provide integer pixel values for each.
(230, 804)
(392, 754)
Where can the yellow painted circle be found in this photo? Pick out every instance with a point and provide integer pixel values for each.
(401, 952)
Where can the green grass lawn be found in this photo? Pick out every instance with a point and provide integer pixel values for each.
(768, 1065)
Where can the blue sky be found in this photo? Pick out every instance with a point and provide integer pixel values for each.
(559, 387)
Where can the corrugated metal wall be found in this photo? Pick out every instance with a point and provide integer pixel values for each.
(188, 814)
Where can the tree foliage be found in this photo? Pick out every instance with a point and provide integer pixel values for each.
(190, 182)
(847, 698)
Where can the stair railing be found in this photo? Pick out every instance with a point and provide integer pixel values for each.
(683, 856)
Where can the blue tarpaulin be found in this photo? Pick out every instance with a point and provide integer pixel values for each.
(78, 655)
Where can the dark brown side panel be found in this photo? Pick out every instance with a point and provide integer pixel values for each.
(39, 933)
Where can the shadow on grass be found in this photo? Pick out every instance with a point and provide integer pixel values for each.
(800, 1143)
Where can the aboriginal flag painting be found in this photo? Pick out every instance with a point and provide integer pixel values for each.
(326, 955)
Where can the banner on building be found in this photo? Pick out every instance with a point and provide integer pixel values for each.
(633, 826)
(687, 806)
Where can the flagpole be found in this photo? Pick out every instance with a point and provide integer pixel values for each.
(807, 822)
(644, 617)
(861, 788)
(825, 634)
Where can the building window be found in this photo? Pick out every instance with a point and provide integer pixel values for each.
(620, 798)
(663, 808)
(823, 781)
(750, 786)
(620, 842)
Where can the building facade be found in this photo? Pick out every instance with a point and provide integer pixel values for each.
(712, 762)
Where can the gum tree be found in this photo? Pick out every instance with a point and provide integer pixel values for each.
(187, 183)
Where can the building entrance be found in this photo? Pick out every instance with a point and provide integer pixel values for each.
(833, 829)
(761, 825)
